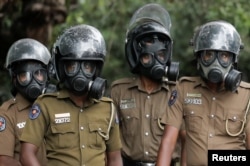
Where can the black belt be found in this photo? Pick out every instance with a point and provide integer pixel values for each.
(128, 162)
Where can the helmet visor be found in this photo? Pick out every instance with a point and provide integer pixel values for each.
(148, 13)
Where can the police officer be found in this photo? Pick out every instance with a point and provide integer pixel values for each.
(215, 105)
(142, 101)
(78, 124)
(27, 61)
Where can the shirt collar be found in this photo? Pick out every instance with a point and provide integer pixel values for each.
(137, 83)
(21, 102)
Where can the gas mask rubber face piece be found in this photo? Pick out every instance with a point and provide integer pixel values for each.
(31, 79)
(217, 67)
(80, 78)
(153, 56)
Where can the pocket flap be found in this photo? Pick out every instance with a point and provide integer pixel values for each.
(62, 128)
(95, 127)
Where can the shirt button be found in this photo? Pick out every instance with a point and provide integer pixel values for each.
(214, 98)
(234, 118)
(147, 116)
(81, 110)
(146, 153)
(128, 117)
(212, 116)
(210, 135)
(148, 97)
(82, 128)
(83, 146)
(146, 133)
(192, 112)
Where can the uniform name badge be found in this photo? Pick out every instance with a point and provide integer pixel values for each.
(127, 104)
(193, 98)
(62, 118)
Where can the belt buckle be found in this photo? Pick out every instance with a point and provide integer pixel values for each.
(147, 164)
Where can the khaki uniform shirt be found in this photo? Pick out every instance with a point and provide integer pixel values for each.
(141, 118)
(15, 112)
(210, 118)
(73, 135)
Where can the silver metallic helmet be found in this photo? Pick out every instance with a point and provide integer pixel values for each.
(218, 36)
(27, 49)
(81, 42)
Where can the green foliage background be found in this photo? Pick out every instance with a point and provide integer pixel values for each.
(111, 17)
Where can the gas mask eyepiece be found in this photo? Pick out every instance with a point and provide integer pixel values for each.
(79, 78)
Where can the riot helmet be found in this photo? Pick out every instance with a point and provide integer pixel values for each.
(217, 46)
(27, 61)
(78, 56)
(148, 47)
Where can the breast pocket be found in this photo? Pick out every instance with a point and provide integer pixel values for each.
(234, 122)
(62, 135)
(129, 121)
(193, 120)
(95, 138)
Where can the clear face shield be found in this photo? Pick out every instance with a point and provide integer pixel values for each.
(153, 48)
(152, 43)
(151, 13)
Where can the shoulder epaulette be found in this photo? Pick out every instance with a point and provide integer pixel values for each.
(6, 105)
(48, 94)
(172, 82)
(106, 99)
(122, 81)
(190, 79)
(245, 85)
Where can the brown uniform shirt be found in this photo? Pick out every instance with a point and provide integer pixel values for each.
(140, 114)
(15, 112)
(73, 135)
(205, 114)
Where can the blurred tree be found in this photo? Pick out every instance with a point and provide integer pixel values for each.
(27, 19)
(111, 17)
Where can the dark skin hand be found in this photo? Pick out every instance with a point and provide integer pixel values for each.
(7, 161)
(114, 158)
(167, 145)
(28, 154)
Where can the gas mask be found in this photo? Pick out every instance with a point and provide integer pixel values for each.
(79, 78)
(217, 67)
(154, 55)
(31, 79)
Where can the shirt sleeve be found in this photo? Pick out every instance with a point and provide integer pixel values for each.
(7, 135)
(247, 128)
(35, 127)
(174, 117)
(114, 142)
